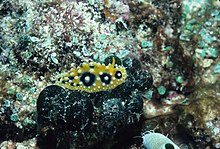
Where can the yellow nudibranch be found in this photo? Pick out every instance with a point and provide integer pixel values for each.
(93, 77)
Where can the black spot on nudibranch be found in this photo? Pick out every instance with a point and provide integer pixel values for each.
(71, 77)
(64, 81)
(105, 78)
(88, 79)
(118, 75)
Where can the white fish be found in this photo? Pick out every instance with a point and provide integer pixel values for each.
(153, 140)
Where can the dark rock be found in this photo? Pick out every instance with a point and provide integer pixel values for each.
(79, 110)
(131, 64)
(143, 80)
(113, 116)
(49, 104)
(134, 105)
(70, 111)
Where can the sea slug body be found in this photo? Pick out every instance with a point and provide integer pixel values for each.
(93, 77)
(153, 140)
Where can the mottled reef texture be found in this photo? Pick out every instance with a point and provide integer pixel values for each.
(170, 49)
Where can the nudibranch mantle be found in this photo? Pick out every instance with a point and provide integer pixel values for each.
(93, 77)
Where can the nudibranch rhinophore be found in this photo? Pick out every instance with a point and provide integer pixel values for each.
(93, 77)
(153, 140)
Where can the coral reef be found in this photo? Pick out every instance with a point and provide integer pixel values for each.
(201, 119)
(169, 50)
(103, 114)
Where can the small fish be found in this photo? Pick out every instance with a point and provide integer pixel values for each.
(152, 140)
(93, 77)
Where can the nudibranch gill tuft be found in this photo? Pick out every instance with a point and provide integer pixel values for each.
(93, 77)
